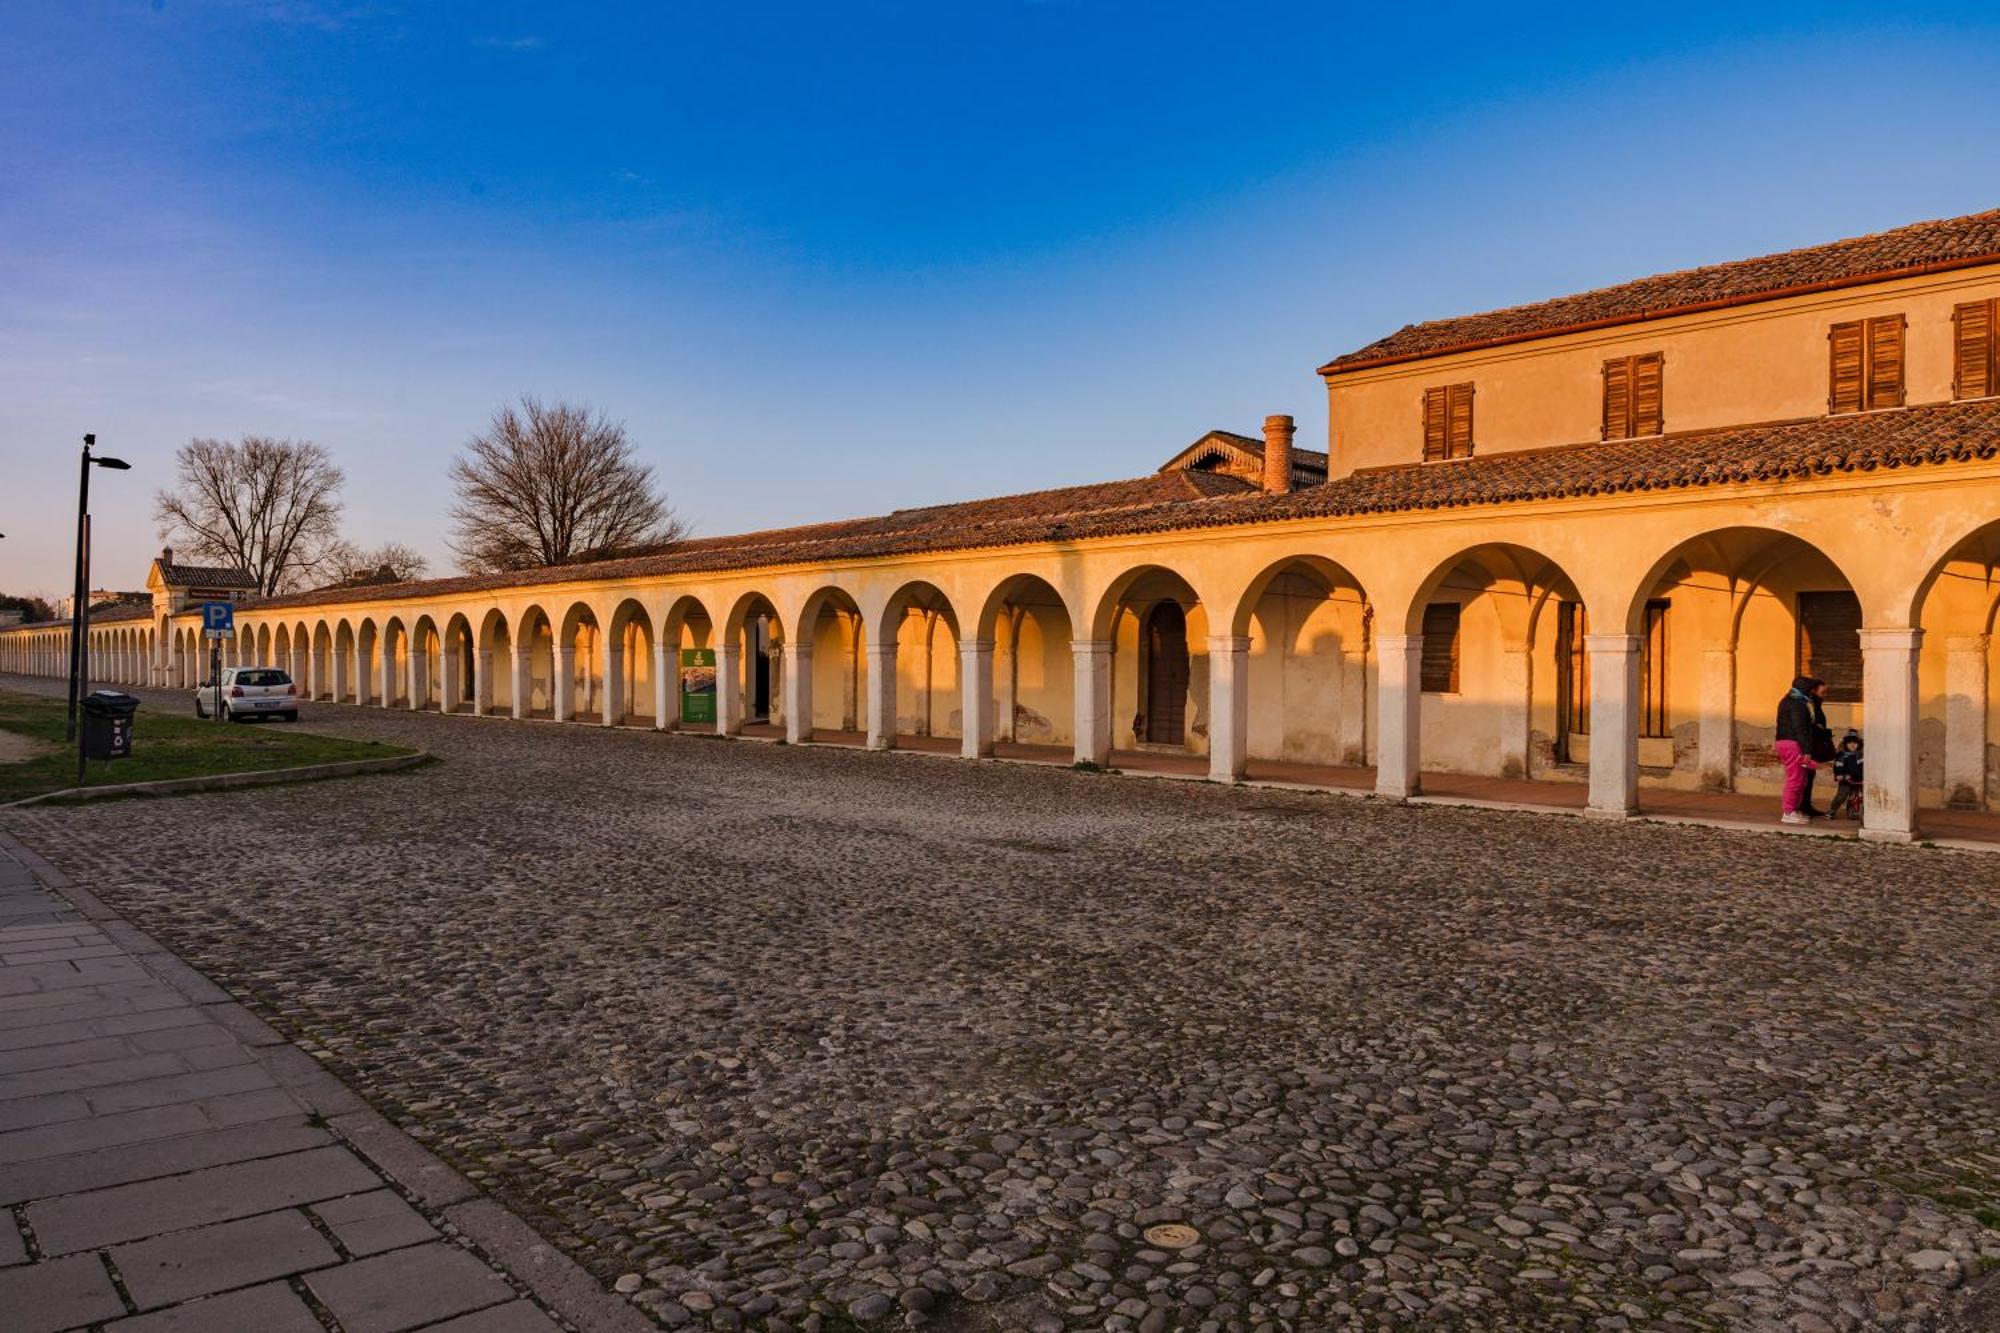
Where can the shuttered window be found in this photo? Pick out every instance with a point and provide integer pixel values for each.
(1866, 364)
(1440, 670)
(1653, 672)
(1632, 396)
(1447, 422)
(1830, 643)
(1975, 364)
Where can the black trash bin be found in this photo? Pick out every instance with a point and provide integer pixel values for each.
(107, 724)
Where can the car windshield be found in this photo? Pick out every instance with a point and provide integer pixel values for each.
(262, 677)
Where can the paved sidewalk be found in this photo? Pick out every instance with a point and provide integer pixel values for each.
(168, 1163)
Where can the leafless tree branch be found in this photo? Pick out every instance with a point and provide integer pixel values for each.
(270, 506)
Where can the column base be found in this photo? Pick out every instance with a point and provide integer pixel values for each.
(1887, 835)
(1591, 812)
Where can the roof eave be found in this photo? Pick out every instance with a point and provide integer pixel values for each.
(1342, 365)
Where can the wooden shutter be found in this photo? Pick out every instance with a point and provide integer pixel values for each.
(1845, 344)
(1459, 428)
(1830, 643)
(1440, 662)
(1885, 361)
(1647, 373)
(1434, 423)
(1975, 366)
(1618, 398)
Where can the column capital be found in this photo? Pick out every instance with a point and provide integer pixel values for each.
(1968, 643)
(795, 649)
(1398, 643)
(882, 649)
(1090, 648)
(1229, 643)
(1891, 640)
(973, 646)
(1611, 643)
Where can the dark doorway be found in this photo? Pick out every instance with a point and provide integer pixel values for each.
(760, 670)
(1572, 679)
(1166, 675)
(467, 679)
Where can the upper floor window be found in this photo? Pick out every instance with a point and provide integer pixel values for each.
(1447, 422)
(1867, 364)
(1632, 396)
(1975, 362)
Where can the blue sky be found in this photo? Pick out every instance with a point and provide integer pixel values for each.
(830, 259)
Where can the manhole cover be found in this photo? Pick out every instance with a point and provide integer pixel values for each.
(1172, 1235)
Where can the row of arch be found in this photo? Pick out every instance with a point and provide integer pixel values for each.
(1501, 661)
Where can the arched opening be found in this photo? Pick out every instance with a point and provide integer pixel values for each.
(393, 685)
(264, 645)
(1031, 692)
(301, 663)
(1723, 622)
(689, 638)
(631, 678)
(535, 665)
(281, 655)
(579, 695)
(1957, 743)
(827, 675)
(1156, 687)
(426, 659)
(1302, 626)
(326, 670)
(459, 679)
(916, 671)
(750, 669)
(1497, 662)
(344, 651)
(367, 643)
(497, 682)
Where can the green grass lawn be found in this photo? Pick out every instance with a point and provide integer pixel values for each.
(176, 745)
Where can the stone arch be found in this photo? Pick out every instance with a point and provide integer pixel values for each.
(496, 685)
(1301, 627)
(426, 663)
(367, 644)
(1955, 607)
(914, 669)
(826, 668)
(393, 679)
(535, 663)
(579, 695)
(750, 666)
(1150, 690)
(634, 685)
(688, 626)
(1722, 621)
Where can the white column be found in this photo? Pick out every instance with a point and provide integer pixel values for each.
(798, 692)
(1399, 664)
(1889, 697)
(728, 684)
(523, 654)
(482, 680)
(1093, 701)
(1965, 704)
(1614, 724)
(665, 669)
(614, 680)
(1517, 679)
(1716, 738)
(1228, 706)
(388, 672)
(975, 695)
(882, 695)
(416, 676)
(563, 695)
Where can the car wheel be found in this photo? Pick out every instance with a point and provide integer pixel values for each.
(289, 717)
(227, 716)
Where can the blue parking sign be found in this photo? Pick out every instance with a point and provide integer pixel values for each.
(218, 619)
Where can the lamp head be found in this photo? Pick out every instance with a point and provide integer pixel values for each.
(117, 464)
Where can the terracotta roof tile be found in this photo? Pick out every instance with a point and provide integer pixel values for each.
(1165, 502)
(1945, 243)
(178, 575)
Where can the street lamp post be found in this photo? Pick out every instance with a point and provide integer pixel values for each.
(79, 612)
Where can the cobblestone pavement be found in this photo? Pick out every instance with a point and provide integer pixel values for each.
(783, 1038)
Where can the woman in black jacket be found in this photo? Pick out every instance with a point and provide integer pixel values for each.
(1820, 751)
(1796, 719)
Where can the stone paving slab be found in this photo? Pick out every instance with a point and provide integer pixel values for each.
(167, 1164)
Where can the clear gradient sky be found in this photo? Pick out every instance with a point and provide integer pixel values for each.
(829, 259)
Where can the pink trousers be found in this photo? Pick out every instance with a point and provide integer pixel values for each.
(1794, 760)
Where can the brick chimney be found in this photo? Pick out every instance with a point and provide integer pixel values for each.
(167, 554)
(1278, 454)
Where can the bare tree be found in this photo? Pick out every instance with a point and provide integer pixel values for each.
(270, 506)
(546, 485)
(391, 562)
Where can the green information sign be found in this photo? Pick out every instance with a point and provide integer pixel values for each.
(697, 685)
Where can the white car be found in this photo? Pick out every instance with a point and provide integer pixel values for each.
(251, 691)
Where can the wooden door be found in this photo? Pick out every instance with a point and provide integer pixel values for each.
(1166, 675)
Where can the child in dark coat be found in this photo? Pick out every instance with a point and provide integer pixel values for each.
(1847, 772)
